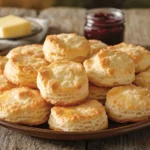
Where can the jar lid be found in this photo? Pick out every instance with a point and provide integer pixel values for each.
(105, 16)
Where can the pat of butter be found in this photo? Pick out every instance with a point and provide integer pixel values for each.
(13, 26)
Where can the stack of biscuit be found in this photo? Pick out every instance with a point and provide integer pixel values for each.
(75, 84)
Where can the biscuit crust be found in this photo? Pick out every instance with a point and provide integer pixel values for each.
(96, 46)
(138, 54)
(5, 84)
(128, 104)
(98, 93)
(110, 68)
(22, 69)
(32, 50)
(88, 116)
(66, 47)
(143, 79)
(63, 83)
(3, 61)
(23, 106)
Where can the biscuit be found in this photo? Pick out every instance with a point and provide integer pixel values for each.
(24, 106)
(66, 47)
(98, 93)
(96, 46)
(3, 61)
(110, 68)
(32, 50)
(5, 84)
(63, 83)
(128, 103)
(22, 69)
(88, 116)
(143, 79)
(138, 54)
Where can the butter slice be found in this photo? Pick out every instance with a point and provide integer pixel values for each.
(13, 26)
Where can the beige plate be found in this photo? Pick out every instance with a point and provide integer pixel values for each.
(43, 131)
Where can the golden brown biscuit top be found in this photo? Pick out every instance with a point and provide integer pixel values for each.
(96, 46)
(66, 47)
(3, 61)
(135, 52)
(27, 63)
(32, 50)
(87, 110)
(72, 41)
(22, 97)
(64, 74)
(111, 63)
(129, 98)
(69, 42)
(5, 84)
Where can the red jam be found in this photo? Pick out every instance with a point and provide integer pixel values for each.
(105, 24)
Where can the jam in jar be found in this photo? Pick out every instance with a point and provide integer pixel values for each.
(105, 24)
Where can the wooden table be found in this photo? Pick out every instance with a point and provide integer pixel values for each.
(137, 32)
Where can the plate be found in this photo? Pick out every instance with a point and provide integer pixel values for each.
(42, 131)
(35, 29)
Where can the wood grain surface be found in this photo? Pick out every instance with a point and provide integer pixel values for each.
(137, 32)
(138, 26)
(4, 11)
(64, 19)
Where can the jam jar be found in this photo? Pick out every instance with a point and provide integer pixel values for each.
(105, 24)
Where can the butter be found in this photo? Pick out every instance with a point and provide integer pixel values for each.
(13, 26)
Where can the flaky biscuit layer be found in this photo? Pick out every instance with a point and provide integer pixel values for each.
(63, 83)
(98, 93)
(5, 84)
(88, 116)
(3, 61)
(128, 103)
(22, 69)
(143, 79)
(24, 106)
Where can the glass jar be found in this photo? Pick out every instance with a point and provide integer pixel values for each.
(105, 24)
